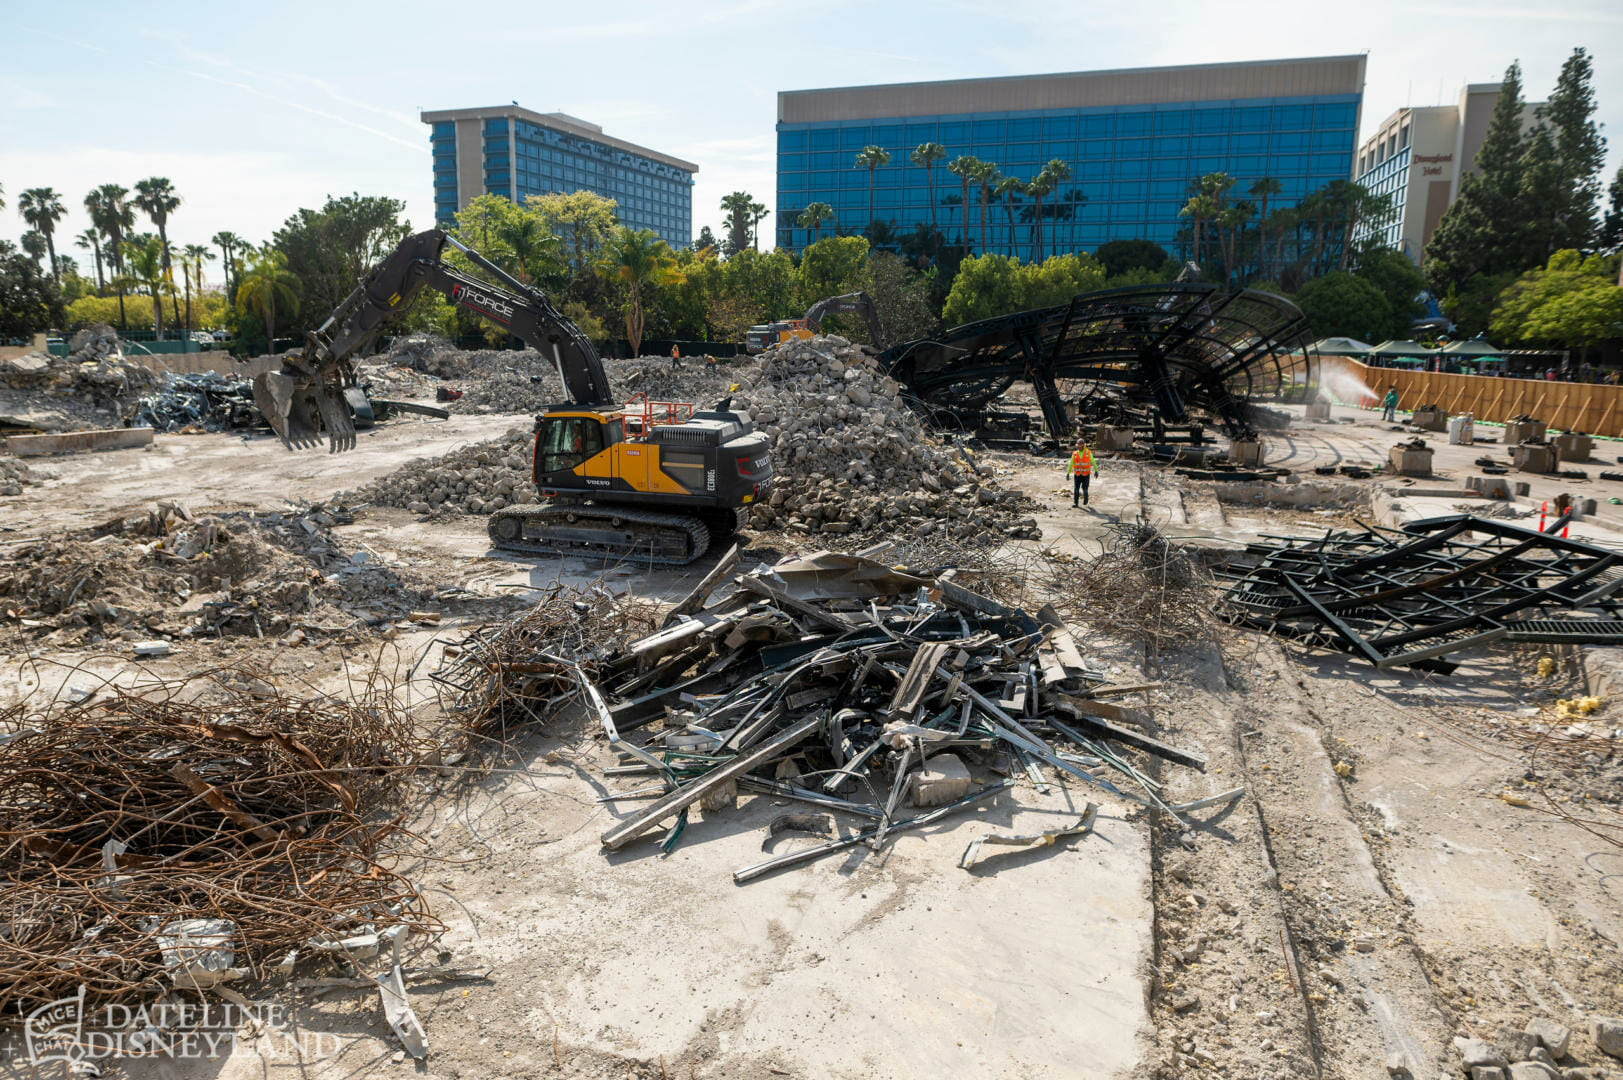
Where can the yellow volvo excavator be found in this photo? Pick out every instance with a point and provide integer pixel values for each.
(654, 481)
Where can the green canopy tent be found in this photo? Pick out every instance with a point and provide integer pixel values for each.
(1342, 346)
(1476, 347)
(1388, 349)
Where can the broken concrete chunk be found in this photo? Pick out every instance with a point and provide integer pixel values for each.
(152, 648)
(1517, 1045)
(1533, 1070)
(942, 780)
(1480, 1052)
(1607, 1031)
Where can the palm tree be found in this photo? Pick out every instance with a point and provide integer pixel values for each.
(193, 256)
(144, 256)
(925, 155)
(228, 243)
(110, 213)
(811, 219)
(1232, 223)
(90, 240)
(1040, 186)
(1199, 209)
(2, 196)
(33, 244)
(987, 175)
(42, 208)
(757, 211)
(737, 208)
(1263, 190)
(528, 238)
(268, 286)
(870, 158)
(1058, 172)
(156, 196)
(963, 167)
(1008, 189)
(641, 260)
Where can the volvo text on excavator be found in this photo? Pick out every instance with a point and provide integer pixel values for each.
(654, 481)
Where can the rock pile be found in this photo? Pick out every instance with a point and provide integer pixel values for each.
(1542, 1048)
(851, 458)
(477, 479)
(171, 574)
(14, 474)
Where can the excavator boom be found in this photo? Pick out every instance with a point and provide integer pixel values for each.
(306, 398)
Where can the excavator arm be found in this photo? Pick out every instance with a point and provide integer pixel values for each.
(306, 398)
(857, 303)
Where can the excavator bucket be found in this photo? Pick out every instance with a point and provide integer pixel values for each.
(299, 407)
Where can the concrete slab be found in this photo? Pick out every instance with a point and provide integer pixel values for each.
(75, 441)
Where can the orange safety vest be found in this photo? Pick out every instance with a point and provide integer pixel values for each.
(1081, 463)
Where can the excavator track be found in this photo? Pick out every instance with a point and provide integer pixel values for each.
(617, 532)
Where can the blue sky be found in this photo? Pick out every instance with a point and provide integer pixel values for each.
(254, 110)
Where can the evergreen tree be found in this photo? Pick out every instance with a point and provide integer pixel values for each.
(1481, 233)
(1543, 197)
(1579, 151)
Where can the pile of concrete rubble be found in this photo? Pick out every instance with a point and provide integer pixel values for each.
(851, 457)
(169, 574)
(14, 475)
(93, 387)
(477, 479)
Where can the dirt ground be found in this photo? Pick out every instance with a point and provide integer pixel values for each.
(1369, 898)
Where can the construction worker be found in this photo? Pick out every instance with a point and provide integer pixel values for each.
(1389, 405)
(1080, 471)
(676, 356)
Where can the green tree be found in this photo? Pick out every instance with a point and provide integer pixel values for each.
(1009, 189)
(1340, 304)
(1263, 190)
(964, 167)
(1039, 188)
(871, 158)
(1579, 152)
(811, 219)
(109, 209)
(901, 296)
(987, 176)
(737, 208)
(706, 241)
(1057, 279)
(156, 197)
(42, 208)
(267, 289)
(29, 299)
(527, 238)
(583, 221)
(757, 213)
(1611, 230)
(33, 243)
(330, 250)
(1397, 279)
(925, 155)
(90, 240)
(229, 244)
(831, 267)
(1571, 302)
(1199, 210)
(642, 262)
(985, 286)
(144, 267)
(1058, 173)
(193, 259)
(1482, 231)
(1119, 256)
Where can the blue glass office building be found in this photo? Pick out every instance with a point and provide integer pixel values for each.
(513, 152)
(1134, 141)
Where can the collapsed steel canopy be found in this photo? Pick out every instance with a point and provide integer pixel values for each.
(1180, 346)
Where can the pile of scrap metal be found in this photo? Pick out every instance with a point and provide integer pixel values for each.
(856, 687)
(191, 835)
(1409, 597)
(1187, 348)
(207, 401)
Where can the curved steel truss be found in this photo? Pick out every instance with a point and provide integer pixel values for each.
(1183, 347)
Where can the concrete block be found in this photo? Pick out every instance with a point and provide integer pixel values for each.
(1533, 1070)
(1108, 437)
(1479, 1053)
(1574, 447)
(1491, 487)
(943, 779)
(1522, 487)
(73, 441)
(1410, 461)
(1430, 419)
(1246, 453)
(1520, 431)
(1535, 458)
(1461, 431)
(1318, 410)
(1487, 1072)
(1517, 1045)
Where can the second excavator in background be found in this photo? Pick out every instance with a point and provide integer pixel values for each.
(763, 337)
(650, 481)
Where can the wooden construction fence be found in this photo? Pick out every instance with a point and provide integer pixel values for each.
(1594, 409)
